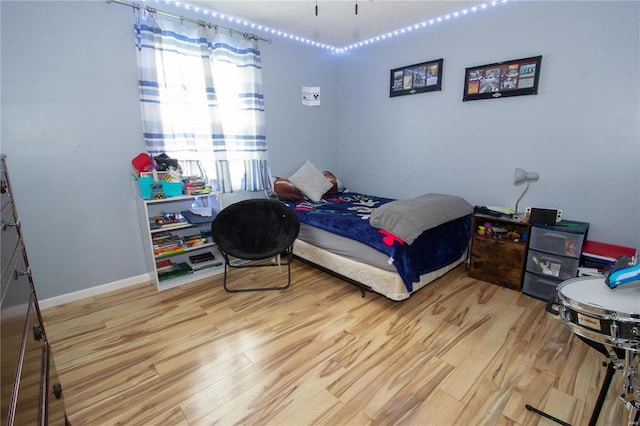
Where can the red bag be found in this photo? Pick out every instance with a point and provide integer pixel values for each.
(142, 163)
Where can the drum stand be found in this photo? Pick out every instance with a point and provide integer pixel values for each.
(630, 371)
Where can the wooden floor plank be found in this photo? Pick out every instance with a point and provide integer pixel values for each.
(458, 352)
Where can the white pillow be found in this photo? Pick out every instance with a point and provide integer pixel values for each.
(311, 181)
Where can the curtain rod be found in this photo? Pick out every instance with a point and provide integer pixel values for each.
(182, 18)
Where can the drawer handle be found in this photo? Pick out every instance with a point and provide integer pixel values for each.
(7, 225)
(17, 274)
(57, 390)
(554, 235)
(38, 332)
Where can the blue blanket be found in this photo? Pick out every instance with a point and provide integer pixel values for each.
(348, 215)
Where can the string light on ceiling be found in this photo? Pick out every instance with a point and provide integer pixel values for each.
(420, 25)
(379, 38)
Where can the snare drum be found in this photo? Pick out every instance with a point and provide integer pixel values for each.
(594, 311)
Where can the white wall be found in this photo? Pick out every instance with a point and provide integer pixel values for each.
(581, 132)
(296, 133)
(69, 157)
(71, 125)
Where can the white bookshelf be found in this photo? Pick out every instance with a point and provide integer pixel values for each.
(148, 209)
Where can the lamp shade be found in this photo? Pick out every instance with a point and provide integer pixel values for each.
(520, 176)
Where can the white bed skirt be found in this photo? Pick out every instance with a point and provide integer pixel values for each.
(387, 283)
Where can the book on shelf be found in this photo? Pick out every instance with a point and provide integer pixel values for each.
(164, 265)
(196, 240)
(162, 252)
(162, 235)
(166, 239)
(202, 257)
(584, 271)
(597, 252)
(177, 270)
(168, 220)
(204, 265)
(161, 248)
(203, 260)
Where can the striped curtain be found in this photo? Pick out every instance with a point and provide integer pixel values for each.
(201, 99)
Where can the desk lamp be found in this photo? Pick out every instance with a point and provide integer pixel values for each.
(519, 177)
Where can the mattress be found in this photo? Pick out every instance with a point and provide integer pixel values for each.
(344, 246)
(375, 278)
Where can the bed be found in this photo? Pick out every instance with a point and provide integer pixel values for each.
(391, 247)
(336, 235)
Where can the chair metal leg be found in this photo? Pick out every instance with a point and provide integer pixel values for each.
(228, 265)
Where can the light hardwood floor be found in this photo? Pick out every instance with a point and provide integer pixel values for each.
(458, 352)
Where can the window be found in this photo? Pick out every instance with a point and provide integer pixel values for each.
(201, 100)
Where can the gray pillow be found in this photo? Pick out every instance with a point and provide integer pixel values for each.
(311, 181)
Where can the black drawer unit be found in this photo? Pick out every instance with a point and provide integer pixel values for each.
(553, 256)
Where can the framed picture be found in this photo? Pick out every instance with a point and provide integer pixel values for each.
(502, 79)
(418, 78)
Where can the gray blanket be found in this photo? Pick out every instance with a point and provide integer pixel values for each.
(409, 218)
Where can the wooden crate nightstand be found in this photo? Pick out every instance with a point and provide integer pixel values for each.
(499, 255)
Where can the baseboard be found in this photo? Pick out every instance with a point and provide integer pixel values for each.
(93, 291)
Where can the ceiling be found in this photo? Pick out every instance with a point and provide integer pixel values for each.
(336, 24)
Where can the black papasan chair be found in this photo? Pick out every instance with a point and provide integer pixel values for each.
(254, 230)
